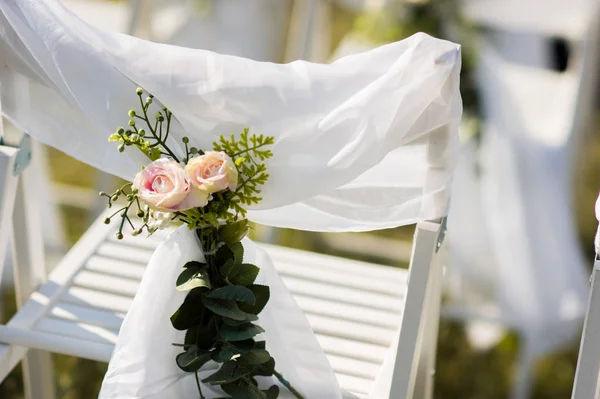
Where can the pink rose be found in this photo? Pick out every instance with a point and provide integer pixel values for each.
(163, 185)
(214, 171)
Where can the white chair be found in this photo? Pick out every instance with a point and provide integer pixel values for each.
(534, 117)
(587, 376)
(78, 310)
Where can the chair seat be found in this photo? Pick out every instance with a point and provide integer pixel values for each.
(354, 307)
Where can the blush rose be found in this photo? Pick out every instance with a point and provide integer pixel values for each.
(213, 171)
(164, 186)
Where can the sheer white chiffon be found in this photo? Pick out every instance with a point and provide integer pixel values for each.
(142, 365)
(360, 144)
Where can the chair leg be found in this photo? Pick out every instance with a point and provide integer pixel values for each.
(426, 368)
(421, 285)
(38, 377)
(523, 385)
(30, 272)
(588, 363)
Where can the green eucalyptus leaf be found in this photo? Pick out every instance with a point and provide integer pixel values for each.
(193, 276)
(189, 313)
(226, 268)
(262, 294)
(228, 373)
(192, 359)
(254, 357)
(231, 322)
(194, 263)
(238, 252)
(236, 293)
(226, 308)
(272, 393)
(202, 335)
(224, 253)
(244, 274)
(243, 389)
(239, 333)
(232, 233)
(266, 369)
(191, 335)
(228, 350)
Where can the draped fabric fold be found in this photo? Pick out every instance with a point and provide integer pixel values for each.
(143, 363)
(364, 143)
(334, 124)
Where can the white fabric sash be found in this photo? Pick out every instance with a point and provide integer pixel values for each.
(352, 137)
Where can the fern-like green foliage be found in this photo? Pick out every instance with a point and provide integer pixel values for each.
(249, 154)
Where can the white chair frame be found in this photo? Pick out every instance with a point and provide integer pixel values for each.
(38, 295)
(587, 376)
(18, 219)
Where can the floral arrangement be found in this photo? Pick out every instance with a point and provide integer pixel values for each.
(208, 191)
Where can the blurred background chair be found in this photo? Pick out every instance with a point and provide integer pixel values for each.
(516, 259)
(587, 377)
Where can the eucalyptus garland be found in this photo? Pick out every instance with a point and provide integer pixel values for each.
(208, 191)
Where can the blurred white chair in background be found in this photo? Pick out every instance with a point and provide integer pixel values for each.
(513, 242)
(587, 376)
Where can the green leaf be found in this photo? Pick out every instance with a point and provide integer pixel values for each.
(229, 372)
(202, 335)
(266, 369)
(232, 233)
(194, 263)
(239, 333)
(226, 268)
(272, 393)
(243, 274)
(231, 322)
(262, 294)
(224, 254)
(243, 389)
(193, 276)
(189, 313)
(192, 359)
(238, 252)
(236, 293)
(254, 357)
(227, 350)
(224, 308)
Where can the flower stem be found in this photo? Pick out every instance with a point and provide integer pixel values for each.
(198, 384)
(158, 139)
(287, 384)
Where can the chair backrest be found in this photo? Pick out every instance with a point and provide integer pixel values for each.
(412, 368)
(587, 376)
(415, 353)
(547, 17)
(8, 190)
(522, 61)
(19, 210)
